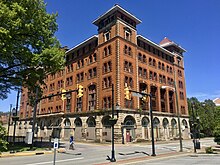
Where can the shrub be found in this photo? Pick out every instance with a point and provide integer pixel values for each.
(209, 150)
(217, 134)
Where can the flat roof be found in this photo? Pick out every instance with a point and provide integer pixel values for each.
(154, 44)
(116, 7)
(93, 38)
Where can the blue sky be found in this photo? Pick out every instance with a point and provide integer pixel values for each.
(195, 25)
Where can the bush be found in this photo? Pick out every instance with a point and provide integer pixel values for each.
(217, 134)
(209, 150)
(202, 135)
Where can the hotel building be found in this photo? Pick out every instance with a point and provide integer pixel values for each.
(116, 55)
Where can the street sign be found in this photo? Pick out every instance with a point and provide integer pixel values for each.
(56, 143)
(136, 94)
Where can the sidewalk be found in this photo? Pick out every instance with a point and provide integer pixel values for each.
(25, 153)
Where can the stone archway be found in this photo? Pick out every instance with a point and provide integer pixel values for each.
(129, 128)
(185, 129)
(91, 128)
(106, 129)
(56, 128)
(67, 129)
(145, 128)
(78, 134)
(165, 129)
(173, 128)
(156, 127)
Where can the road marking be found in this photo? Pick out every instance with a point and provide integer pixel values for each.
(58, 161)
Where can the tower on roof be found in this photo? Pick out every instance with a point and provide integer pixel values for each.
(171, 46)
(117, 22)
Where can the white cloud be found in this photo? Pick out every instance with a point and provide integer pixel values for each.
(203, 96)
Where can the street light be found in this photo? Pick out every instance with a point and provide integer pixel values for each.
(178, 114)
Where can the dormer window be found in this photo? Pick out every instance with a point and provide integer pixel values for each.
(107, 36)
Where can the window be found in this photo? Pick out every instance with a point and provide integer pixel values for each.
(127, 35)
(180, 73)
(107, 67)
(128, 81)
(52, 87)
(142, 72)
(79, 77)
(127, 50)
(79, 104)
(159, 65)
(128, 67)
(129, 103)
(52, 76)
(107, 36)
(107, 82)
(181, 96)
(92, 97)
(92, 73)
(69, 68)
(107, 102)
(80, 63)
(107, 51)
(181, 84)
(69, 81)
(60, 84)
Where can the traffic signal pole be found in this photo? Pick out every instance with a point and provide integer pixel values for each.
(151, 117)
(45, 97)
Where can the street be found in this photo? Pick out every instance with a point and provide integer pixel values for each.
(139, 153)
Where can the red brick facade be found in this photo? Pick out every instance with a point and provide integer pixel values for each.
(117, 55)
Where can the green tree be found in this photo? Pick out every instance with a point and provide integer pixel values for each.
(28, 48)
(206, 113)
(3, 142)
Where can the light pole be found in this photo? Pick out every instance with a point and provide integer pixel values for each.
(15, 116)
(194, 128)
(178, 114)
(9, 121)
(112, 122)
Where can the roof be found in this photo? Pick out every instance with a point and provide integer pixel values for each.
(217, 101)
(93, 38)
(154, 44)
(116, 7)
(167, 42)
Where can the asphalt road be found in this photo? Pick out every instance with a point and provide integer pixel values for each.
(86, 154)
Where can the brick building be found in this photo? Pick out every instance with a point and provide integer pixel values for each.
(116, 55)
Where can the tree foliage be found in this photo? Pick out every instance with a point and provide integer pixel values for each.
(28, 48)
(3, 142)
(207, 113)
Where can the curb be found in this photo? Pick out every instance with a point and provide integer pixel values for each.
(25, 154)
(147, 158)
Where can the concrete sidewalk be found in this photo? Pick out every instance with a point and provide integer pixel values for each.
(25, 153)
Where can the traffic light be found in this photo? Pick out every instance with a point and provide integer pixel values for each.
(144, 98)
(79, 91)
(63, 96)
(127, 94)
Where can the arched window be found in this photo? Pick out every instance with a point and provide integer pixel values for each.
(165, 123)
(145, 122)
(91, 122)
(156, 122)
(78, 122)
